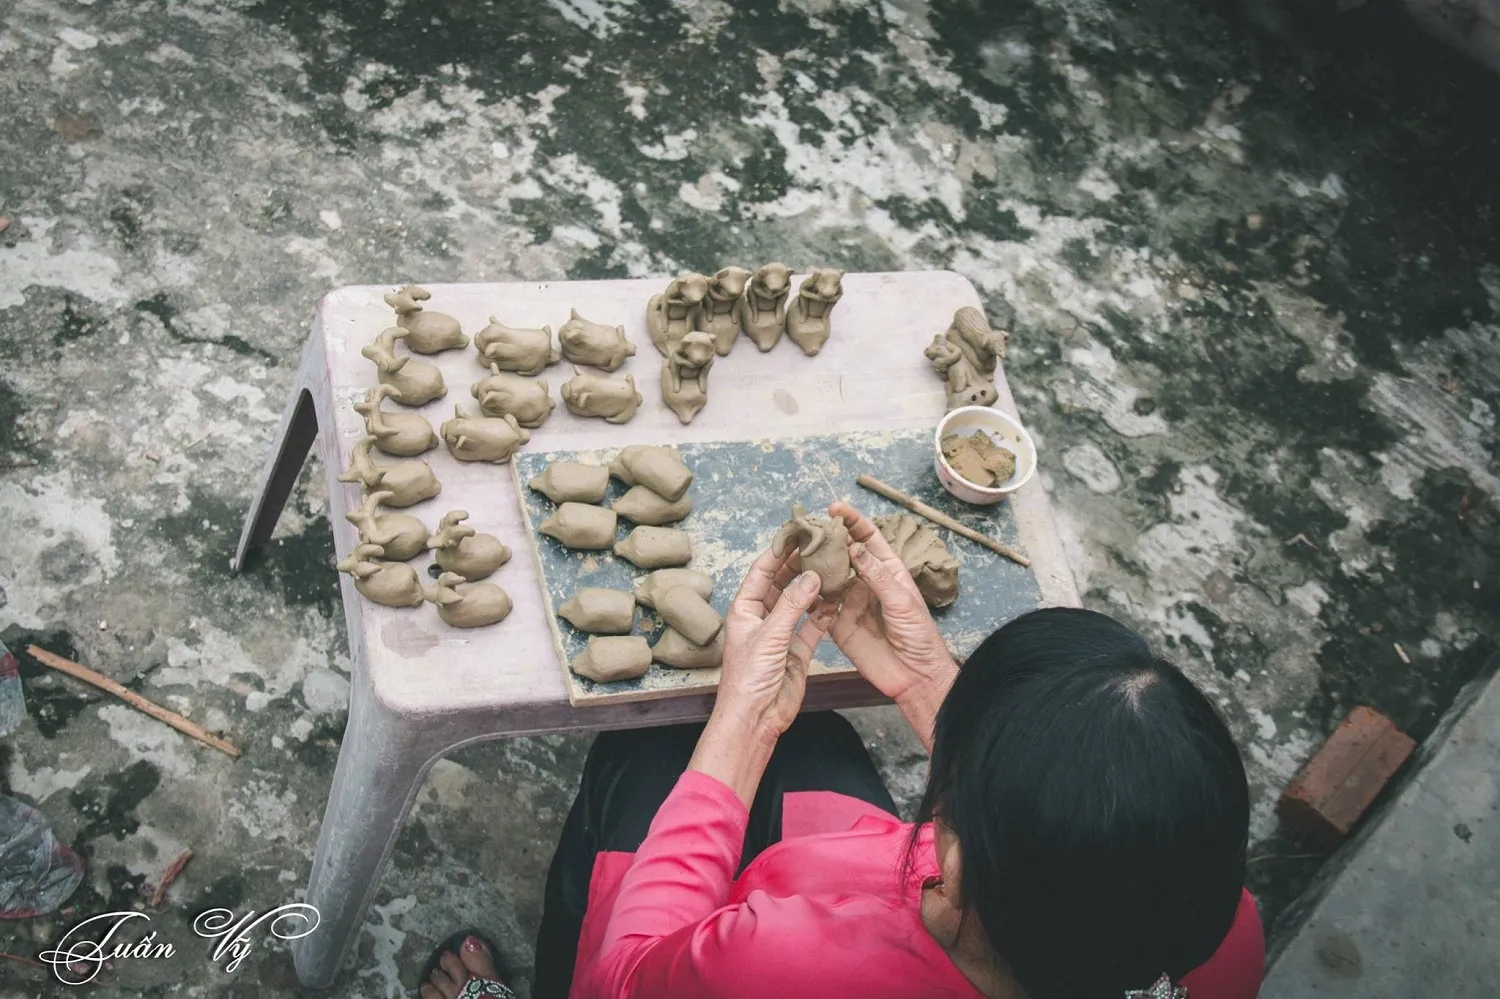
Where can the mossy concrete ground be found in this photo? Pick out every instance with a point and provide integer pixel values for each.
(1256, 290)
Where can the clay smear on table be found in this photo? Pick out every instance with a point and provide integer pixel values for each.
(978, 459)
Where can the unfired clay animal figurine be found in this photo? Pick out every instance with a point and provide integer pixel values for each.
(483, 438)
(925, 556)
(400, 535)
(721, 312)
(672, 315)
(684, 375)
(823, 546)
(408, 482)
(403, 435)
(600, 610)
(811, 312)
(643, 506)
(463, 550)
(692, 616)
(390, 584)
(416, 382)
(605, 660)
(426, 332)
(503, 393)
(673, 649)
(656, 547)
(467, 605)
(612, 398)
(658, 467)
(965, 357)
(594, 344)
(763, 313)
(647, 588)
(526, 352)
(572, 482)
(581, 526)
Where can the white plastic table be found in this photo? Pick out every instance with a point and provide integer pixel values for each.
(421, 689)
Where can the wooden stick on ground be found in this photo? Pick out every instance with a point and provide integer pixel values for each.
(168, 876)
(133, 699)
(940, 518)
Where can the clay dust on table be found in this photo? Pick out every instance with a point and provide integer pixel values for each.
(977, 458)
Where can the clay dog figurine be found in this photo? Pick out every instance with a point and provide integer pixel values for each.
(483, 438)
(391, 584)
(526, 352)
(402, 435)
(400, 535)
(808, 317)
(722, 310)
(763, 309)
(672, 315)
(612, 398)
(684, 375)
(594, 344)
(503, 393)
(416, 382)
(965, 357)
(463, 550)
(471, 605)
(426, 332)
(823, 547)
(408, 482)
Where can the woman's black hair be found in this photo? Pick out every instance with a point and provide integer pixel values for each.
(1099, 803)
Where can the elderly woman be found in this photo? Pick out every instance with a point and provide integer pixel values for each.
(1082, 833)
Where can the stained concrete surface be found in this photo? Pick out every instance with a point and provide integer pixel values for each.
(1256, 286)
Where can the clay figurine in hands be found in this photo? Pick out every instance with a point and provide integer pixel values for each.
(600, 610)
(467, 605)
(649, 588)
(822, 545)
(658, 467)
(483, 438)
(503, 393)
(416, 382)
(402, 435)
(931, 565)
(526, 352)
(426, 332)
(390, 584)
(408, 482)
(463, 550)
(400, 535)
(965, 357)
(764, 305)
(656, 547)
(809, 316)
(722, 309)
(673, 649)
(643, 506)
(605, 660)
(612, 398)
(684, 375)
(671, 316)
(582, 526)
(594, 344)
(572, 482)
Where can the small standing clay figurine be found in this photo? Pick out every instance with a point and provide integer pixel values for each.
(582, 526)
(965, 357)
(526, 352)
(473, 606)
(594, 344)
(808, 318)
(643, 506)
(823, 546)
(658, 467)
(402, 435)
(612, 398)
(426, 332)
(673, 649)
(605, 660)
(503, 393)
(416, 382)
(390, 584)
(408, 482)
(400, 535)
(463, 550)
(572, 482)
(656, 547)
(600, 610)
(648, 588)
(684, 375)
(672, 315)
(721, 312)
(931, 565)
(764, 305)
(483, 438)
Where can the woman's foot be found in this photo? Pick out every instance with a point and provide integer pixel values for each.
(471, 960)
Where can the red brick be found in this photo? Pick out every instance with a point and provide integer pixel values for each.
(1343, 778)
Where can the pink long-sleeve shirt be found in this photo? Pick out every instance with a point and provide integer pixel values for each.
(825, 912)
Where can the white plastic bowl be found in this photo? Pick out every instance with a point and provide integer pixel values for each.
(1004, 431)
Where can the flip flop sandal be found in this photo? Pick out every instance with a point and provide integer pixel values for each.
(451, 946)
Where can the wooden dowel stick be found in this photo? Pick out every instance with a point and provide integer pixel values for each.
(131, 698)
(940, 518)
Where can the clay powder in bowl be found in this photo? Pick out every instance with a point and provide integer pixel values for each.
(1005, 442)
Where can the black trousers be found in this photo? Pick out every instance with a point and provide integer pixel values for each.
(629, 774)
